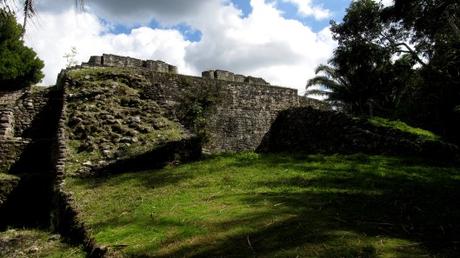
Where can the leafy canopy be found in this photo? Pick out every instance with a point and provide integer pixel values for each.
(400, 61)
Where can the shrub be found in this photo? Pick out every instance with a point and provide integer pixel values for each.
(19, 65)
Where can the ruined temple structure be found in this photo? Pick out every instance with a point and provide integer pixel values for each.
(245, 106)
(107, 60)
(240, 118)
(229, 76)
(121, 61)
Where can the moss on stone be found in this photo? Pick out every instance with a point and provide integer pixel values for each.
(108, 119)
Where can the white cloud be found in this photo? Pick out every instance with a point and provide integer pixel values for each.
(84, 31)
(387, 2)
(307, 8)
(143, 11)
(384, 2)
(284, 52)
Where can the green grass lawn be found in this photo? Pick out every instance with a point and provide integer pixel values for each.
(246, 205)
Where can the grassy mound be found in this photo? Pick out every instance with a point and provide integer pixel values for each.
(277, 206)
(109, 118)
(401, 126)
(35, 243)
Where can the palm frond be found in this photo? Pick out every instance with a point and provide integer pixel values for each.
(317, 92)
(330, 71)
(323, 81)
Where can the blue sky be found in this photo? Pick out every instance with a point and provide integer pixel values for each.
(289, 11)
(282, 41)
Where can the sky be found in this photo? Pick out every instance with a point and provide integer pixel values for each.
(281, 41)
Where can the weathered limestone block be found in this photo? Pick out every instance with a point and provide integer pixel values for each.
(208, 74)
(95, 60)
(229, 76)
(157, 66)
(255, 80)
(9, 98)
(113, 60)
(133, 62)
(224, 75)
(239, 78)
(6, 122)
(10, 151)
(172, 69)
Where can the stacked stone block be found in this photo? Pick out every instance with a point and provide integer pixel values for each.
(122, 61)
(229, 76)
(6, 122)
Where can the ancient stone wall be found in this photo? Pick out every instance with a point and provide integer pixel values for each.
(241, 113)
(317, 131)
(19, 123)
(6, 122)
(8, 100)
(10, 152)
(240, 109)
(28, 108)
(317, 104)
(122, 61)
(229, 76)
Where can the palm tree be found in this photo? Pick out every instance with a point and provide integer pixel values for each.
(29, 10)
(336, 88)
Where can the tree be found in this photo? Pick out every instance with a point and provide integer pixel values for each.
(70, 57)
(335, 87)
(403, 61)
(360, 64)
(19, 65)
(436, 37)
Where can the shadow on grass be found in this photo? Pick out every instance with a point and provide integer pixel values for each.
(414, 203)
(146, 178)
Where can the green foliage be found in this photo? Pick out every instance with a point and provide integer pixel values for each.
(435, 34)
(249, 204)
(360, 76)
(401, 61)
(195, 106)
(4, 176)
(379, 121)
(19, 65)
